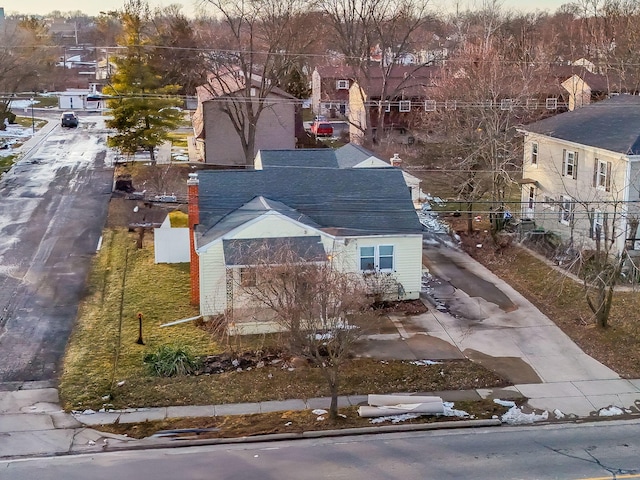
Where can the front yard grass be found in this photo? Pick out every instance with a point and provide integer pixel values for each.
(102, 352)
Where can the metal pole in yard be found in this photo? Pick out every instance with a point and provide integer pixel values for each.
(33, 123)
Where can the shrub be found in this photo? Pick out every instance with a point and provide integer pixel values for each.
(171, 360)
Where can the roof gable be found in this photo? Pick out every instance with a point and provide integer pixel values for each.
(612, 124)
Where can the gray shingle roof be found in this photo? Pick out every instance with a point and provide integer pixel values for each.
(312, 157)
(612, 124)
(244, 252)
(351, 155)
(346, 201)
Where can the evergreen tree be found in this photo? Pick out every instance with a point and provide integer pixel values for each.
(144, 111)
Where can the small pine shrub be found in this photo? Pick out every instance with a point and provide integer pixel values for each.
(171, 360)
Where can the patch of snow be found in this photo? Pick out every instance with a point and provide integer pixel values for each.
(504, 403)
(515, 416)
(449, 411)
(423, 363)
(610, 412)
(88, 411)
(558, 414)
(288, 424)
(395, 418)
(319, 411)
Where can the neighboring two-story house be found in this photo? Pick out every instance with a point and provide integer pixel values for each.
(221, 115)
(581, 173)
(330, 90)
(332, 215)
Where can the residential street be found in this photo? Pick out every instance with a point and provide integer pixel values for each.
(596, 450)
(52, 208)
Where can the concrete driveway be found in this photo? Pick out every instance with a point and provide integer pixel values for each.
(478, 316)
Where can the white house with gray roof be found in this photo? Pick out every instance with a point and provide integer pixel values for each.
(335, 215)
(581, 173)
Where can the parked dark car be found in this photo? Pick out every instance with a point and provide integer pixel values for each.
(69, 119)
(322, 129)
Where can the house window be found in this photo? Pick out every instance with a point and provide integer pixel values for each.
(342, 85)
(598, 225)
(602, 175)
(429, 105)
(506, 104)
(534, 153)
(387, 106)
(532, 196)
(450, 105)
(405, 105)
(570, 164)
(551, 103)
(248, 277)
(567, 207)
(550, 203)
(378, 258)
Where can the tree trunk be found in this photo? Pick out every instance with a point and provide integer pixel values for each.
(333, 388)
(469, 218)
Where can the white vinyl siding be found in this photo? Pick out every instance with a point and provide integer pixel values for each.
(213, 286)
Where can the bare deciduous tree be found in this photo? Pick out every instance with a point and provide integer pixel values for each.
(316, 305)
(261, 42)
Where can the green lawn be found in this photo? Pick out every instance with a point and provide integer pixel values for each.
(103, 352)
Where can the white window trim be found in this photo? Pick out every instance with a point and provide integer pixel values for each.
(387, 106)
(535, 151)
(569, 154)
(376, 258)
(567, 209)
(405, 105)
(551, 103)
(342, 84)
(601, 177)
(531, 201)
(430, 105)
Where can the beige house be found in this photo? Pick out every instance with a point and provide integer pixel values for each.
(334, 215)
(223, 117)
(581, 173)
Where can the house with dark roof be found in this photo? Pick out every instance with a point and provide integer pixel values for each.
(581, 173)
(347, 156)
(332, 215)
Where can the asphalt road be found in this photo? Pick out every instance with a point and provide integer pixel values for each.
(604, 450)
(53, 205)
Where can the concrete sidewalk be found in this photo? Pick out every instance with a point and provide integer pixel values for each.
(33, 424)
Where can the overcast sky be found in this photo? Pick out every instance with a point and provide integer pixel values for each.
(93, 7)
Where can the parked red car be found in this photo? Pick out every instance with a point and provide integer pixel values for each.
(322, 129)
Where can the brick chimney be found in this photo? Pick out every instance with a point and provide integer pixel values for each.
(396, 161)
(194, 220)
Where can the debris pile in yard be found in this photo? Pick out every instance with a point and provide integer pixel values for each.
(246, 361)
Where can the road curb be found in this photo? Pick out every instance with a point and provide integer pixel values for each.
(154, 443)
